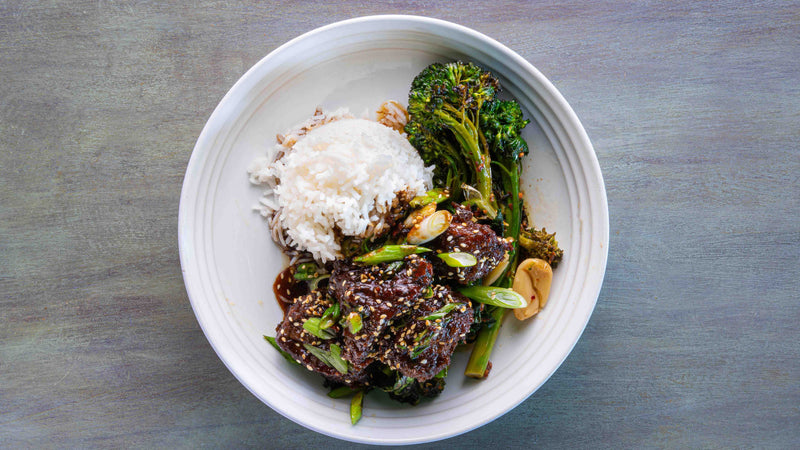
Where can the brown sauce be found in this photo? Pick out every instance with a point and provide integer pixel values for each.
(287, 289)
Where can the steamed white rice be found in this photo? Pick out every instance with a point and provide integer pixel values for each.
(342, 175)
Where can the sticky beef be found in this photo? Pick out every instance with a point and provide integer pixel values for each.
(421, 345)
(466, 235)
(378, 294)
(294, 339)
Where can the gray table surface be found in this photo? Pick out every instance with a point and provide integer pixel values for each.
(694, 112)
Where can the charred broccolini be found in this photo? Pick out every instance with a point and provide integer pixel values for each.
(541, 244)
(475, 140)
(457, 123)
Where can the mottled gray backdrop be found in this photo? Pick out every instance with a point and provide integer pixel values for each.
(694, 111)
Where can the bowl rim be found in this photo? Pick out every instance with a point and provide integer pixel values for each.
(202, 147)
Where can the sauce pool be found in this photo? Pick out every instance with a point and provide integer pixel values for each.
(287, 288)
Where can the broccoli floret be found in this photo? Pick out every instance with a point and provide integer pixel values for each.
(540, 244)
(457, 123)
(502, 124)
(444, 107)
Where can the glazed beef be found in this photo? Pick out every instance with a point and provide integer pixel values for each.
(466, 235)
(378, 294)
(420, 345)
(293, 339)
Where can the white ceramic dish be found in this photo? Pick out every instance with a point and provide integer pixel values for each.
(229, 261)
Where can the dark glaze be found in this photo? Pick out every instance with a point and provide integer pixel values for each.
(434, 340)
(292, 337)
(466, 235)
(287, 289)
(379, 295)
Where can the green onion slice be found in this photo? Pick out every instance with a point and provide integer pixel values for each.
(274, 343)
(341, 391)
(330, 316)
(496, 296)
(306, 271)
(356, 407)
(433, 196)
(441, 312)
(310, 273)
(389, 253)
(331, 358)
(458, 259)
(315, 326)
(354, 322)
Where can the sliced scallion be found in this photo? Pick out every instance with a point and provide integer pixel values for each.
(441, 312)
(356, 407)
(314, 326)
(430, 227)
(458, 259)
(389, 253)
(274, 343)
(342, 391)
(496, 296)
(354, 322)
(330, 316)
(331, 358)
(433, 196)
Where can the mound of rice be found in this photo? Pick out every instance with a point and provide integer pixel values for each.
(339, 177)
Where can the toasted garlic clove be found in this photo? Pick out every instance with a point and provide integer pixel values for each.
(532, 281)
(430, 227)
(497, 271)
(418, 215)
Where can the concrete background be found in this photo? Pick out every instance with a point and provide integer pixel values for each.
(694, 111)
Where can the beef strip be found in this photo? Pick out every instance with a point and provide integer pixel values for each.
(419, 346)
(379, 294)
(293, 338)
(466, 235)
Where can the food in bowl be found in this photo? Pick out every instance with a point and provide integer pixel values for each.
(407, 236)
(337, 175)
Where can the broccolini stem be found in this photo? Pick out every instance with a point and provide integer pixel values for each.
(356, 407)
(515, 221)
(467, 137)
(484, 343)
(482, 349)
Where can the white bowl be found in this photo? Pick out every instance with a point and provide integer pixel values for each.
(229, 261)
